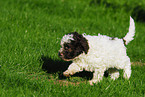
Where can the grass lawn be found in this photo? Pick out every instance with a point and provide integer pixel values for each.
(30, 34)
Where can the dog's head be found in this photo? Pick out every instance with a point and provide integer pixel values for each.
(73, 45)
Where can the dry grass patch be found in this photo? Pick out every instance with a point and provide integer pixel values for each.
(137, 64)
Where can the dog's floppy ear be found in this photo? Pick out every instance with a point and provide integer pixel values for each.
(82, 41)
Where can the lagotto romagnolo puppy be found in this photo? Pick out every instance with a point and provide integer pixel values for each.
(97, 54)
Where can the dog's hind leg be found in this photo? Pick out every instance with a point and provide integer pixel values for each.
(127, 72)
(127, 69)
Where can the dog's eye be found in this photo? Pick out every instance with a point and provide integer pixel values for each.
(66, 46)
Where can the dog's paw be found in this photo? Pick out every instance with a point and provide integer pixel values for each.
(92, 82)
(66, 73)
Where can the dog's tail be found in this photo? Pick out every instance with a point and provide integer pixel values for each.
(131, 33)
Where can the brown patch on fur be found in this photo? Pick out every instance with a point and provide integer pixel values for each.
(124, 41)
(112, 38)
(74, 48)
(83, 42)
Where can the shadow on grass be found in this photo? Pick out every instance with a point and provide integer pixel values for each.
(57, 66)
(53, 66)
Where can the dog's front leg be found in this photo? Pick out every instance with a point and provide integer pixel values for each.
(72, 69)
(97, 76)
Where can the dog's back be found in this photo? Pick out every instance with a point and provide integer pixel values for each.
(106, 48)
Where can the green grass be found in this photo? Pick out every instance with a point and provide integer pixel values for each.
(30, 34)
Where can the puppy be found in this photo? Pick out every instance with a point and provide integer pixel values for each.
(97, 54)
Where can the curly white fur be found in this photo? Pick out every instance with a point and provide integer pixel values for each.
(103, 54)
(67, 39)
(131, 33)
